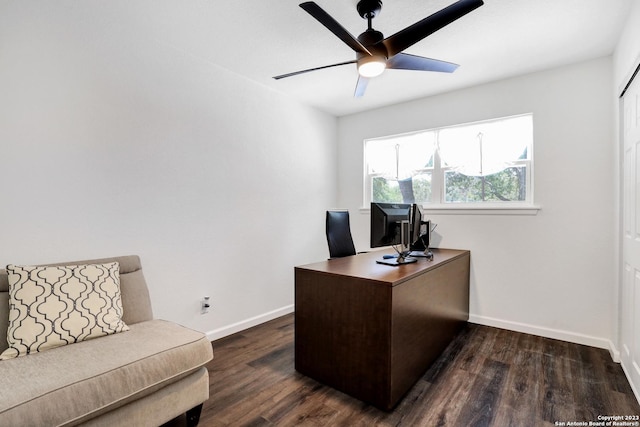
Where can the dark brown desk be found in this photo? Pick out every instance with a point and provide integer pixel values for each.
(372, 330)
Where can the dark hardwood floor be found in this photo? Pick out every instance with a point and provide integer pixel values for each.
(486, 377)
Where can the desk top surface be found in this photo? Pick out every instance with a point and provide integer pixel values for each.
(364, 266)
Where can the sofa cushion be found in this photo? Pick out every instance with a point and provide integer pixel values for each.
(52, 306)
(77, 382)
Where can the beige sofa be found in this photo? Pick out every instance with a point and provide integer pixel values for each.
(145, 376)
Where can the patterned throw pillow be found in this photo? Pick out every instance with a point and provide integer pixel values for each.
(57, 305)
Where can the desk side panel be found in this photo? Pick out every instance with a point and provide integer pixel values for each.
(342, 333)
(428, 312)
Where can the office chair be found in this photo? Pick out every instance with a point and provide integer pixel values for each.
(339, 234)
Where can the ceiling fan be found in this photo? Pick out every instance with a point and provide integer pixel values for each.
(374, 53)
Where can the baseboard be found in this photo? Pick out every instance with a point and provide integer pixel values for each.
(248, 323)
(615, 353)
(633, 386)
(548, 333)
(480, 320)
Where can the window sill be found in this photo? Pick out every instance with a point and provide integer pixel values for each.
(458, 209)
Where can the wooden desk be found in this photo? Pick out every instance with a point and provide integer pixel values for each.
(372, 330)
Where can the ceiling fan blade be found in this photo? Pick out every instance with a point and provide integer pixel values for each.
(361, 86)
(295, 73)
(429, 25)
(332, 25)
(404, 61)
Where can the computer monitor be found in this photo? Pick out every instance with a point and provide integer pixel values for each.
(416, 239)
(420, 240)
(386, 223)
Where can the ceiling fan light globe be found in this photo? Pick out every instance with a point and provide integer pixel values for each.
(371, 68)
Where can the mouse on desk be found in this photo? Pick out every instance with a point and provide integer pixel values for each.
(389, 256)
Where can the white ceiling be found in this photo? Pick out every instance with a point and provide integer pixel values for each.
(260, 39)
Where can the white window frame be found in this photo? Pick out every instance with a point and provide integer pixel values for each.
(438, 204)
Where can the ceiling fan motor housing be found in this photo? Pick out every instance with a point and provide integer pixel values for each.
(374, 64)
(372, 40)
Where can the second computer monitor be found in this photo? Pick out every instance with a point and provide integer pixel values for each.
(419, 236)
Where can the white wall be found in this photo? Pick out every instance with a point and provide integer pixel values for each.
(114, 142)
(548, 274)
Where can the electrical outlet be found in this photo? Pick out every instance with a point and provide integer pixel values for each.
(205, 305)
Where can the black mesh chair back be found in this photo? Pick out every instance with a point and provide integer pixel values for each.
(339, 234)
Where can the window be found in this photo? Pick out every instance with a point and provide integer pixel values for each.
(401, 168)
(482, 163)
